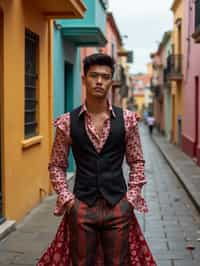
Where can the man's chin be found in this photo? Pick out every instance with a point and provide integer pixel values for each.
(99, 96)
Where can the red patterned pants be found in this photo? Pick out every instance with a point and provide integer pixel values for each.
(100, 224)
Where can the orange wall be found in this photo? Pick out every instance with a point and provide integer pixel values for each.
(24, 170)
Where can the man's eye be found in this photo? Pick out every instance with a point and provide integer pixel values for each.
(106, 77)
(93, 75)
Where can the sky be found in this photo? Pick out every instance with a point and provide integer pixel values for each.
(144, 22)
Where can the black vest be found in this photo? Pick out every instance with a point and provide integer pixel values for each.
(98, 173)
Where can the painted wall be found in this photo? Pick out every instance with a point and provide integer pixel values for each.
(139, 100)
(22, 183)
(191, 68)
(113, 45)
(65, 99)
(58, 77)
(167, 96)
(94, 16)
(111, 48)
(83, 53)
(177, 110)
(65, 51)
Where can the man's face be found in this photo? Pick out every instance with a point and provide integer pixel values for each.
(98, 81)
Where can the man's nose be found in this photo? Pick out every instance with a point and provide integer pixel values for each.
(99, 79)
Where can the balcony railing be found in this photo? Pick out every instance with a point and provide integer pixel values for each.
(166, 81)
(196, 34)
(174, 67)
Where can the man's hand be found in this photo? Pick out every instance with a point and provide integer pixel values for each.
(69, 205)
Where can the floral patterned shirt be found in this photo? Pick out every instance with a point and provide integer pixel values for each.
(59, 157)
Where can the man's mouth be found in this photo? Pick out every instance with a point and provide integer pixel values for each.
(99, 89)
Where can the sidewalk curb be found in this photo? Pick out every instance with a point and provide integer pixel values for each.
(10, 226)
(187, 186)
(6, 228)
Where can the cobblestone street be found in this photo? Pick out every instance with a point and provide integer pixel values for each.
(172, 226)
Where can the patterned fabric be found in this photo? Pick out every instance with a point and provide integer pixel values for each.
(58, 252)
(134, 156)
(114, 223)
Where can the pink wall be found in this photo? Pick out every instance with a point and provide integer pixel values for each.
(112, 42)
(191, 68)
(85, 52)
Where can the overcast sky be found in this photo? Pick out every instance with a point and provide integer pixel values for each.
(144, 22)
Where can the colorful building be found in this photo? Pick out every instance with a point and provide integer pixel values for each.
(175, 72)
(157, 88)
(69, 36)
(191, 69)
(114, 43)
(140, 84)
(26, 100)
(114, 47)
(162, 86)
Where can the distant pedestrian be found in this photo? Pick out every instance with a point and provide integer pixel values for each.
(151, 123)
(99, 227)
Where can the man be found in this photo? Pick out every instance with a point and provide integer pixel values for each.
(99, 226)
(150, 122)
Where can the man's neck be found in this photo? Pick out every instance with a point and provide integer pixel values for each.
(97, 106)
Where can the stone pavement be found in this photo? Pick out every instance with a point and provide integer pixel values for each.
(172, 226)
(184, 167)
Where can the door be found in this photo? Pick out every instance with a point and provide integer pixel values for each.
(196, 115)
(68, 101)
(173, 119)
(1, 110)
(68, 97)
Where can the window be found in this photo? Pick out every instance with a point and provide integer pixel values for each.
(113, 50)
(31, 82)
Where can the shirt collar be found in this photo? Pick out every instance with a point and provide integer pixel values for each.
(84, 109)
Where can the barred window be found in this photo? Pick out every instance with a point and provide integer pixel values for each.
(31, 82)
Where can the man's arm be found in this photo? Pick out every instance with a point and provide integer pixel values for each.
(58, 165)
(135, 160)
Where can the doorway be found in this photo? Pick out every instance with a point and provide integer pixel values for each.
(68, 97)
(173, 119)
(1, 114)
(68, 101)
(196, 116)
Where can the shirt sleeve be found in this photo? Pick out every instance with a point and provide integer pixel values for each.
(59, 163)
(135, 160)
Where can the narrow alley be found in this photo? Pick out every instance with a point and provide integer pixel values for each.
(172, 226)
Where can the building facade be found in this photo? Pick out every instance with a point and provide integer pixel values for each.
(140, 85)
(191, 70)
(69, 36)
(175, 72)
(26, 100)
(157, 88)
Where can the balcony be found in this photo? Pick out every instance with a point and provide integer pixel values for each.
(174, 67)
(196, 34)
(90, 31)
(61, 9)
(166, 81)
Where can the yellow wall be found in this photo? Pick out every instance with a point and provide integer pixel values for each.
(176, 91)
(139, 100)
(1, 86)
(24, 170)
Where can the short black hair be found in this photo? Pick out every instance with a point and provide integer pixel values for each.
(98, 59)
